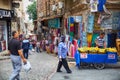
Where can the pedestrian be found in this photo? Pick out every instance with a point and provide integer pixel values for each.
(38, 46)
(100, 41)
(62, 54)
(41, 46)
(16, 55)
(26, 46)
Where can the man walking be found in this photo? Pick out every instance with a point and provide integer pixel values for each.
(16, 55)
(62, 54)
(26, 46)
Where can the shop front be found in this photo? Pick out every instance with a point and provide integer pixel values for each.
(5, 28)
(86, 25)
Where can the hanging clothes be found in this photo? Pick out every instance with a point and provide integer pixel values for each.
(94, 5)
(100, 5)
(90, 23)
(94, 36)
(75, 44)
(72, 50)
(89, 39)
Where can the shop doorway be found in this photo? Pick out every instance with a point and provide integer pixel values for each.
(3, 35)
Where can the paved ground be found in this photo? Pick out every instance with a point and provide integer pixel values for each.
(111, 72)
(43, 65)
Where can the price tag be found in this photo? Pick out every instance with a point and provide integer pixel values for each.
(83, 55)
(111, 56)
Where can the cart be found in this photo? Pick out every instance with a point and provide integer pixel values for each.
(96, 60)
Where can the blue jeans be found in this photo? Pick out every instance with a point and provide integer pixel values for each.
(38, 49)
(25, 53)
(17, 65)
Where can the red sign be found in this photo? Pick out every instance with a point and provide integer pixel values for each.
(83, 56)
(111, 56)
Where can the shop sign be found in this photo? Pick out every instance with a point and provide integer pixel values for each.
(83, 56)
(6, 13)
(111, 56)
(54, 23)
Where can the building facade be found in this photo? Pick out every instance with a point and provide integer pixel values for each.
(79, 18)
(7, 15)
(50, 16)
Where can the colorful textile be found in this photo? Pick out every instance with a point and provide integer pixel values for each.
(94, 36)
(75, 44)
(84, 39)
(90, 23)
(71, 20)
(71, 39)
(89, 39)
(72, 50)
(71, 25)
(71, 34)
(71, 29)
(100, 5)
(65, 23)
(94, 5)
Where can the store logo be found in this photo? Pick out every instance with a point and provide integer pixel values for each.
(5, 13)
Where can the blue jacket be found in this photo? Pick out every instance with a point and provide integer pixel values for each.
(62, 50)
(25, 44)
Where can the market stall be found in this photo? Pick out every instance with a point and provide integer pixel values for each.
(95, 56)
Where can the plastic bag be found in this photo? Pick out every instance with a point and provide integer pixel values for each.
(27, 66)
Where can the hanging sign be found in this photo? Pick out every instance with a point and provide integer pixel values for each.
(6, 13)
(54, 23)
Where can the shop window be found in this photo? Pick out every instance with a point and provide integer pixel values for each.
(2, 36)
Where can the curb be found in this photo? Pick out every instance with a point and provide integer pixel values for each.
(4, 57)
(51, 74)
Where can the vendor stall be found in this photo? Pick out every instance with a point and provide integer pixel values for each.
(96, 57)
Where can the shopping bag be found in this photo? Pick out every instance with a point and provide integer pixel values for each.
(27, 66)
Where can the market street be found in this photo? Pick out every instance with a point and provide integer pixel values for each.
(44, 66)
(89, 74)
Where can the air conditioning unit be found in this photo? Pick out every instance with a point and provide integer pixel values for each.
(54, 7)
(60, 5)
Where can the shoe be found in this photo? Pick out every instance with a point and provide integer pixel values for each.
(59, 71)
(69, 71)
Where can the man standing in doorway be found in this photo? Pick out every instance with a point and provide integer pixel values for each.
(16, 55)
(62, 54)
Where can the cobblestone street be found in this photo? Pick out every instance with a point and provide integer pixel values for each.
(43, 65)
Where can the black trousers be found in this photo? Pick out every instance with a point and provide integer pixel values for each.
(25, 53)
(64, 63)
